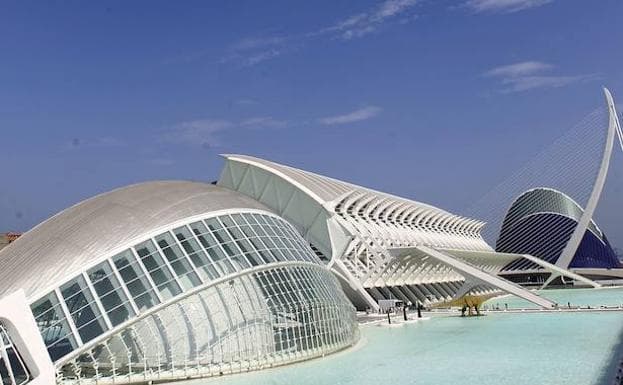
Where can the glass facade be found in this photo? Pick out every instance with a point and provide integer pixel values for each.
(13, 371)
(53, 325)
(159, 309)
(253, 321)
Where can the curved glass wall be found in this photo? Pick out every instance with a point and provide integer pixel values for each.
(157, 288)
(257, 320)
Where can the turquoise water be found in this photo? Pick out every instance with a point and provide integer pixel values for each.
(577, 297)
(502, 348)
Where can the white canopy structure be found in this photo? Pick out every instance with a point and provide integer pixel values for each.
(357, 231)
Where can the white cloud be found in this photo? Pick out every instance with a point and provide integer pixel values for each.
(351, 117)
(361, 24)
(526, 83)
(391, 8)
(259, 57)
(528, 75)
(251, 51)
(519, 69)
(504, 6)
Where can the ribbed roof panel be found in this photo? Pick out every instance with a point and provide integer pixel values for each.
(59, 247)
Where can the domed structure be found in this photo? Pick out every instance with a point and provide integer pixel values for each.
(169, 280)
(540, 222)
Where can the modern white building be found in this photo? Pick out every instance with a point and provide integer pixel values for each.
(172, 280)
(540, 222)
(379, 245)
(160, 281)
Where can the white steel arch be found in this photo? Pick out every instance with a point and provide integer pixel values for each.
(613, 129)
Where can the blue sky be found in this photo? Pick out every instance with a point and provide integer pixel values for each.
(433, 100)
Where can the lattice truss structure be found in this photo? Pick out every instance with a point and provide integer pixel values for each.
(210, 282)
(374, 241)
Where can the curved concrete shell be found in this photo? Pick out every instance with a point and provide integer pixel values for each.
(81, 233)
(170, 280)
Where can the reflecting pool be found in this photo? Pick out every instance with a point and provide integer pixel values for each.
(501, 348)
(607, 296)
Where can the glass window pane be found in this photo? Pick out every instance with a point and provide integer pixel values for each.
(248, 249)
(213, 224)
(238, 219)
(249, 218)
(259, 219)
(112, 297)
(178, 261)
(138, 285)
(218, 232)
(227, 221)
(53, 326)
(82, 308)
(248, 231)
(195, 252)
(259, 230)
(204, 236)
(198, 228)
(158, 270)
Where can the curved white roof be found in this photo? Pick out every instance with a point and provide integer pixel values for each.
(61, 246)
(540, 200)
(321, 188)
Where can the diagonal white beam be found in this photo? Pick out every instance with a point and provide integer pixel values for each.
(558, 271)
(474, 273)
(504, 258)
